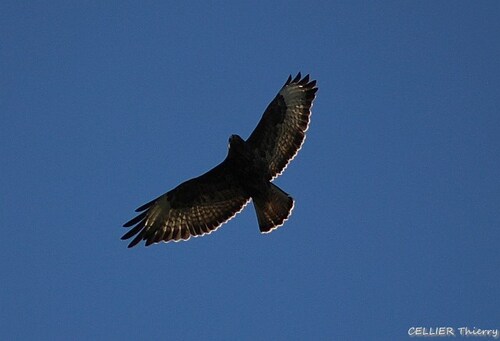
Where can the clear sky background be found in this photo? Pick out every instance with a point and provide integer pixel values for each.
(105, 106)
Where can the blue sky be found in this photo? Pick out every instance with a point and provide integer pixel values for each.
(105, 106)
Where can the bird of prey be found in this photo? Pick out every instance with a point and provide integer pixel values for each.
(200, 205)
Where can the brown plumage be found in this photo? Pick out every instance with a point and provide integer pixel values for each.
(200, 205)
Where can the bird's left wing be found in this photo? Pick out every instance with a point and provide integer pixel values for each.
(194, 208)
(281, 130)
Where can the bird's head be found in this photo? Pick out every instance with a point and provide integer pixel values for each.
(236, 145)
(235, 141)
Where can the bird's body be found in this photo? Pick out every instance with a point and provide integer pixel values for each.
(200, 205)
(249, 169)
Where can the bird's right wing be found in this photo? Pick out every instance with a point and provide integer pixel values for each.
(194, 208)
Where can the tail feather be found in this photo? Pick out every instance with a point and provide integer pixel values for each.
(273, 209)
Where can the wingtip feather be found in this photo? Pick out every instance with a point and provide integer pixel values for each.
(297, 78)
(135, 220)
(304, 80)
(136, 240)
(146, 205)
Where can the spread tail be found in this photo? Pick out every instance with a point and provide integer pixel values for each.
(273, 209)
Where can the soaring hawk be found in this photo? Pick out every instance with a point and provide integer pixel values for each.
(200, 205)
